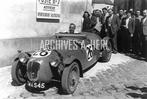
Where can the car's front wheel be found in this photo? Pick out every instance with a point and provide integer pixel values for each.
(70, 78)
(18, 72)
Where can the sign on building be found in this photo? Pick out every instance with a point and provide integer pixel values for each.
(49, 10)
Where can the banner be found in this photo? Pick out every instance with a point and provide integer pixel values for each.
(48, 9)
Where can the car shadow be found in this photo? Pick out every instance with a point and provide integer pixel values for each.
(142, 95)
(90, 67)
(13, 83)
(136, 95)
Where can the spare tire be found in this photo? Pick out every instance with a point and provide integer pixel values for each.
(106, 53)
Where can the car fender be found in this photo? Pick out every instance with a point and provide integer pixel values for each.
(69, 60)
(107, 38)
(16, 57)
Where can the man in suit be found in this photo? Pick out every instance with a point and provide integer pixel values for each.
(112, 27)
(120, 34)
(144, 33)
(137, 35)
(130, 25)
(138, 16)
(104, 16)
(137, 38)
(96, 22)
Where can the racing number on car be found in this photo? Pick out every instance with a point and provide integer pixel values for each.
(89, 51)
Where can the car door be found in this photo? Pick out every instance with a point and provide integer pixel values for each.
(92, 53)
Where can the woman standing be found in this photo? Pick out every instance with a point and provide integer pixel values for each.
(86, 23)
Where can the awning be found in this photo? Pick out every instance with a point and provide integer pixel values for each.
(109, 2)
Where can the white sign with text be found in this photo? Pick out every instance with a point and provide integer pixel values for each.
(48, 9)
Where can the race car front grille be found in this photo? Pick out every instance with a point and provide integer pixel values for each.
(33, 68)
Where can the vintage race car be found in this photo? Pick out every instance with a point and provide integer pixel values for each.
(36, 69)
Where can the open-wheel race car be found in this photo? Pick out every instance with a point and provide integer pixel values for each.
(36, 69)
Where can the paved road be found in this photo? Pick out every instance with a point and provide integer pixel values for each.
(121, 78)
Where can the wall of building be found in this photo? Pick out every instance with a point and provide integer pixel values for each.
(9, 47)
(18, 20)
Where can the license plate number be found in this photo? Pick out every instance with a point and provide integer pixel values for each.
(36, 84)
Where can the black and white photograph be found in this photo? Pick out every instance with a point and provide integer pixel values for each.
(73, 49)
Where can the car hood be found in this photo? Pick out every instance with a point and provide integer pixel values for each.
(38, 66)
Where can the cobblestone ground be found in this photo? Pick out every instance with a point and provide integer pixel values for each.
(124, 82)
(127, 80)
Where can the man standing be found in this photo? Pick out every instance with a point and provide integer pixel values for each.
(112, 27)
(96, 21)
(137, 34)
(121, 14)
(144, 33)
(138, 16)
(104, 16)
(121, 31)
(130, 25)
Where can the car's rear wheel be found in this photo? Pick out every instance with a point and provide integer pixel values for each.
(106, 53)
(17, 73)
(70, 78)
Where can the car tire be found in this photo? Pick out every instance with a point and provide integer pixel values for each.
(16, 73)
(70, 78)
(106, 53)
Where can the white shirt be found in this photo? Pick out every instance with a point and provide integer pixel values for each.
(107, 14)
(139, 17)
(110, 20)
(127, 22)
(144, 19)
(98, 25)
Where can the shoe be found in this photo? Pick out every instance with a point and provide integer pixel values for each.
(131, 51)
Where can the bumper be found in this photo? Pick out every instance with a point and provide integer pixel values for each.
(36, 86)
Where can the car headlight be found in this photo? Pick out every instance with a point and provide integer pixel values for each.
(23, 60)
(54, 63)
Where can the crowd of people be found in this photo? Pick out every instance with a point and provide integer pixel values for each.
(128, 29)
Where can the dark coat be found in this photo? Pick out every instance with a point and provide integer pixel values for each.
(93, 21)
(144, 38)
(86, 26)
(115, 24)
(131, 25)
(137, 37)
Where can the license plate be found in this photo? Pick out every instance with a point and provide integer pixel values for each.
(36, 84)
